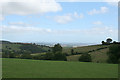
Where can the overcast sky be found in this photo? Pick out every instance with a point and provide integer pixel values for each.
(51, 21)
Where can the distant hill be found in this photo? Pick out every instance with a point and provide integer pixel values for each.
(4, 42)
(18, 47)
(98, 52)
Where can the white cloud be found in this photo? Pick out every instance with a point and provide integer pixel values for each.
(15, 30)
(77, 15)
(63, 19)
(106, 30)
(25, 7)
(101, 11)
(20, 23)
(23, 30)
(1, 18)
(97, 23)
(112, 2)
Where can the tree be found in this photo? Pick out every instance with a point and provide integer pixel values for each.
(57, 53)
(49, 56)
(57, 48)
(12, 55)
(103, 42)
(114, 53)
(26, 56)
(114, 42)
(85, 57)
(60, 56)
(109, 40)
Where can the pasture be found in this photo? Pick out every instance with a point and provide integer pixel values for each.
(26, 68)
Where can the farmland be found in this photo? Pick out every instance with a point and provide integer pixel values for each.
(96, 55)
(26, 68)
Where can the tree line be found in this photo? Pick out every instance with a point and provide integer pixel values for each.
(55, 52)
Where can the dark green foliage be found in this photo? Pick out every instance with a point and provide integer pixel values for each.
(56, 54)
(109, 40)
(103, 42)
(4, 55)
(114, 42)
(85, 58)
(49, 56)
(12, 55)
(59, 56)
(26, 56)
(56, 48)
(114, 53)
(8, 54)
(31, 48)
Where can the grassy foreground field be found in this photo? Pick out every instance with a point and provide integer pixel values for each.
(23, 68)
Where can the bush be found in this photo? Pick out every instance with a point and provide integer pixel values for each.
(114, 53)
(85, 58)
(26, 56)
(59, 56)
(12, 55)
(49, 56)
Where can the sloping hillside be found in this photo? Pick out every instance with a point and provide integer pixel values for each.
(84, 49)
(19, 47)
(98, 53)
(99, 56)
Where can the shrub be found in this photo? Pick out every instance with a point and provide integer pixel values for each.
(85, 57)
(26, 56)
(114, 53)
(59, 56)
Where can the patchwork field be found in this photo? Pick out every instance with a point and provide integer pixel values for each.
(25, 68)
(84, 49)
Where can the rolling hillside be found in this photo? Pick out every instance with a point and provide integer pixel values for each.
(18, 47)
(98, 53)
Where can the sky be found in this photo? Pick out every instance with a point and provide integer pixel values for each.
(52, 21)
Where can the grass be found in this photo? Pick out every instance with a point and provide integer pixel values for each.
(83, 49)
(23, 68)
(88, 48)
(37, 54)
(73, 58)
(15, 47)
(97, 55)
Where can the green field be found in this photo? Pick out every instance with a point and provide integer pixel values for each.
(83, 49)
(97, 56)
(25, 68)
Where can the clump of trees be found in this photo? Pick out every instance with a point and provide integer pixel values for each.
(114, 53)
(32, 48)
(26, 56)
(74, 53)
(25, 51)
(9, 54)
(56, 53)
(108, 41)
(85, 57)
